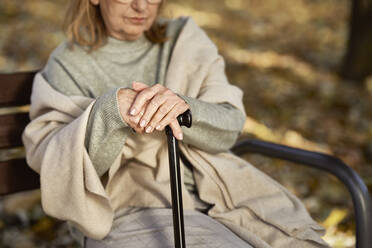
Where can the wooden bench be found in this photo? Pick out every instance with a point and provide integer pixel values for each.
(16, 176)
(15, 91)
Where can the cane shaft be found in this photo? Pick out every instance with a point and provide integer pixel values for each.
(184, 119)
(176, 190)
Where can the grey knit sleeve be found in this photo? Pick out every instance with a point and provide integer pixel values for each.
(106, 131)
(215, 126)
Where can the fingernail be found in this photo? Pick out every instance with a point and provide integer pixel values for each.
(148, 129)
(133, 111)
(180, 136)
(143, 123)
(158, 127)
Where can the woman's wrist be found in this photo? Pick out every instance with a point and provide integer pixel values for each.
(125, 97)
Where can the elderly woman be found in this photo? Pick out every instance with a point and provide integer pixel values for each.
(99, 108)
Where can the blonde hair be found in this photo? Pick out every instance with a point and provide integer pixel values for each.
(84, 26)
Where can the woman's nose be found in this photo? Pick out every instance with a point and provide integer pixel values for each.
(139, 5)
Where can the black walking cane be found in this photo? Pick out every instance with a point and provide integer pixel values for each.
(175, 180)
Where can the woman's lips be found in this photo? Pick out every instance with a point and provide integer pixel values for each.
(137, 20)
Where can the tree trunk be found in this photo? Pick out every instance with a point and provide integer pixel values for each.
(357, 64)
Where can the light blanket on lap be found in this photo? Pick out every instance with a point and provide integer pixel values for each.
(71, 189)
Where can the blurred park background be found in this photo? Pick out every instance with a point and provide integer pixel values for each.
(306, 70)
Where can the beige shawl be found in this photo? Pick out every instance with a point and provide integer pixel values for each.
(71, 189)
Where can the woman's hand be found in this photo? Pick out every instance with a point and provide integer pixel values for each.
(160, 107)
(125, 99)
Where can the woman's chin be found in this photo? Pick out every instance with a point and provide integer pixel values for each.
(131, 36)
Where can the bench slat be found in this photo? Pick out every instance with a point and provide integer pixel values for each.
(11, 128)
(16, 176)
(15, 89)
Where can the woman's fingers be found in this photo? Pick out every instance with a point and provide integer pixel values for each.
(176, 129)
(171, 117)
(144, 96)
(134, 120)
(159, 105)
(125, 99)
(162, 111)
(138, 86)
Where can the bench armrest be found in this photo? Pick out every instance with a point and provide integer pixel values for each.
(355, 185)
